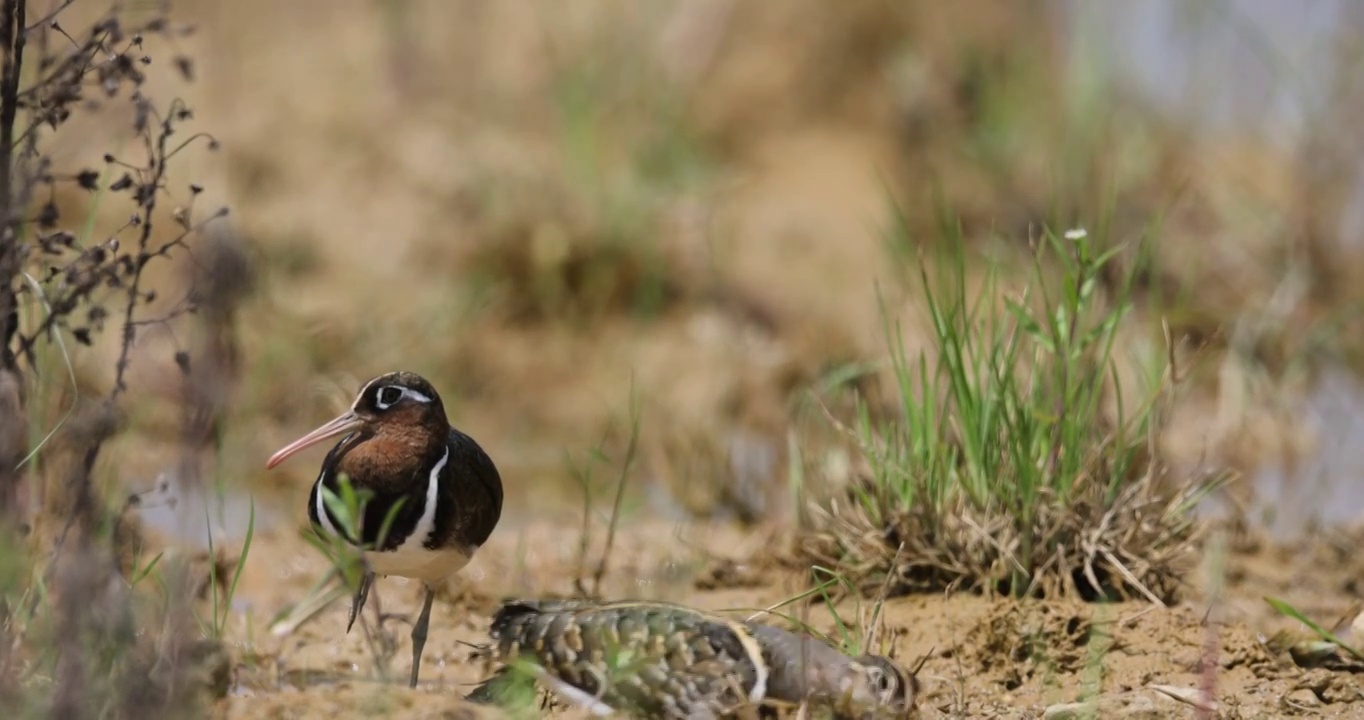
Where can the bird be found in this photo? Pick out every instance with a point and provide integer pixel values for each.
(436, 488)
(651, 659)
(662, 660)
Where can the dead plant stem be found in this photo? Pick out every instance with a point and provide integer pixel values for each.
(629, 461)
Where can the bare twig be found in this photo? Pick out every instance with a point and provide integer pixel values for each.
(625, 467)
(12, 401)
(584, 477)
(875, 622)
(44, 20)
(12, 18)
(158, 165)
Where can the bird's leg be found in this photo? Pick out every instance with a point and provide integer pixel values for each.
(419, 634)
(357, 602)
(378, 609)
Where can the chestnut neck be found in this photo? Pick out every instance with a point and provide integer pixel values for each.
(395, 452)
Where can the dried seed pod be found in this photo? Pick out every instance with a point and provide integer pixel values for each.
(652, 660)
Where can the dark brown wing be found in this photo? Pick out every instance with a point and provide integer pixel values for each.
(470, 502)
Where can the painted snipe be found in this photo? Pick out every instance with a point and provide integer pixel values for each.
(398, 444)
(659, 660)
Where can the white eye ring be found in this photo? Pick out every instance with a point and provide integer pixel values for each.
(388, 396)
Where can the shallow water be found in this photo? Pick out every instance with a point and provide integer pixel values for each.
(178, 512)
(1327, 484)
(1263, 69)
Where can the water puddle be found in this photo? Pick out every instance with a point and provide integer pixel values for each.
(1324, 486)
(1251, 68)
(191, 517)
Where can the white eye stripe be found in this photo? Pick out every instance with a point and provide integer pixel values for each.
(387, 392)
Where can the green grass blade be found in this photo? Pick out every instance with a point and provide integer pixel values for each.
(241, 565)
(1283, 608)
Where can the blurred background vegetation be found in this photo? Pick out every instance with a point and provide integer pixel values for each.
(684, 244)
(713, 206)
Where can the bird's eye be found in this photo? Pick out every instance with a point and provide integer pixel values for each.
(388, 397)
(882, 682)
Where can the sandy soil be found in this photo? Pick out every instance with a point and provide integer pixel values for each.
(981, 657)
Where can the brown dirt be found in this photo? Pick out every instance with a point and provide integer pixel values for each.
(984, 657)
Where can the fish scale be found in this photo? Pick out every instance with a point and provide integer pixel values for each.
(659, 660)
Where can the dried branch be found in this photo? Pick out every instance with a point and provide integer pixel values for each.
(625, 468)
(13, 438)
(12, 18)
(148, 202)
(56, 283)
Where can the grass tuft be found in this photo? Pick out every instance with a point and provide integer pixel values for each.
(1017, 463)
(584, 476)
(223, 590)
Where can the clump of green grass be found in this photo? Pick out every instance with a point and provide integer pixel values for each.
(222, 590)
(594, 233)
(1018, 463)
(539, 266)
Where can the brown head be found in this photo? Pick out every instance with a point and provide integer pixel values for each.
(396, 424)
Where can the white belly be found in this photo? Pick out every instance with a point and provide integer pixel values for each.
(430, 566)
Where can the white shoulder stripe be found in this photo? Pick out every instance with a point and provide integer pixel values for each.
(426, 524)
(322, 517)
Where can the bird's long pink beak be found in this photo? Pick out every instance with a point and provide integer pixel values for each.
(344, 423)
